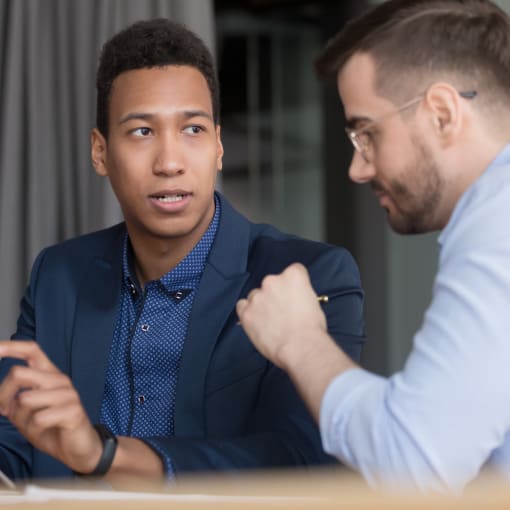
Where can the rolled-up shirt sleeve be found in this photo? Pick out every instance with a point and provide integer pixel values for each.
(434, 424)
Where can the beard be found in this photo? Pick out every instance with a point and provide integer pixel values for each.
(415, 194)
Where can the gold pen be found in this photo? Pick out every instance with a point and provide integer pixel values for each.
(325, 298)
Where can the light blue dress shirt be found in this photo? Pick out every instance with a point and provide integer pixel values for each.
(447, 413)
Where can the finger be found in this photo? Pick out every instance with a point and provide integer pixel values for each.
(52, 421)
(39, 399)
(65, 418)
(38, 410)
(298, 274)
(26, 350)
(23, 378)
(296, 268)
(297, 277)
(240, 307)
(252, 294)
(270, 282)
(25, 411)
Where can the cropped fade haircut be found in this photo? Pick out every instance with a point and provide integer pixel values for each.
(417, 42)
(153, 43)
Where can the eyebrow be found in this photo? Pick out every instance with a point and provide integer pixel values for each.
(197, 113)
(187, 114)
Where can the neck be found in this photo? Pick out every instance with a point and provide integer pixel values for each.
(155, 256)
(467, 166)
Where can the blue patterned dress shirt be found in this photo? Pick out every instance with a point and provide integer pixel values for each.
(143, 365)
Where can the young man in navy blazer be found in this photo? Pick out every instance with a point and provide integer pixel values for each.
(128, 358)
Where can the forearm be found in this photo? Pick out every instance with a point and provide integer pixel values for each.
(133, 457)
(312, 364)
(281, 447)
(362, 425)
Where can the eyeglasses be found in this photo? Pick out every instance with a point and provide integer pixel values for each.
(361, 138)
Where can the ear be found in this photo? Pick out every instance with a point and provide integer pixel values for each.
(98, 152)
(445, 104)
(219, 149)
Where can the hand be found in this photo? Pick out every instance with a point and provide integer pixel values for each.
(41, 402)
(285, 323)
(283, 316)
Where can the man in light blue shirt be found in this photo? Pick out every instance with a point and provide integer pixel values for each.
(426, 91)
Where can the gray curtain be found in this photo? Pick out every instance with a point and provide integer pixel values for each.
(48, 57)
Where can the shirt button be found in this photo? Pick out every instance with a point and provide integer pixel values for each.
(145, 327)
(141, 399)
(132, 287)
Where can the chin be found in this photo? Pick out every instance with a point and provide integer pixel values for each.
(408, 226)
(173, 233)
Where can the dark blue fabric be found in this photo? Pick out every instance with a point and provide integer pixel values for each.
(233, 409)
(141, 379)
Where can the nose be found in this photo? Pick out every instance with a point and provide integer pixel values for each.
(360, 170)
(169, 158)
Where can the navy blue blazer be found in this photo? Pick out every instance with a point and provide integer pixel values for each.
(234, 409)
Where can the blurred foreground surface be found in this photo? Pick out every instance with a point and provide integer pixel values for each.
(321, 489)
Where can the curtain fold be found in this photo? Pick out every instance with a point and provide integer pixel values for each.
(48, 58)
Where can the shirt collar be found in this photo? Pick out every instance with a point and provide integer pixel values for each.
(502, 159)
(189, 269)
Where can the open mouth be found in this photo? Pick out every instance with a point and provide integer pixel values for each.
(169, 198)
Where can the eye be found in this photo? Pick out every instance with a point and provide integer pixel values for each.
(193, 130)
(142, 131)
(365, 138)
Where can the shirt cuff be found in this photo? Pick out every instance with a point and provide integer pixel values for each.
(165, 458)
(337, 402)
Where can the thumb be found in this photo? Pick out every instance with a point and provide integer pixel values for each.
(241, 306)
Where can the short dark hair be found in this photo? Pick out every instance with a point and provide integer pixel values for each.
(157, 42)
(415, 41)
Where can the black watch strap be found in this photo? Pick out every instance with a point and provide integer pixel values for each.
(109, 441)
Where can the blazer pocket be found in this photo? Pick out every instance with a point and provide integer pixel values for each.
(237, 371)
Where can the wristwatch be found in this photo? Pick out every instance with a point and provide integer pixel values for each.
(109, 441)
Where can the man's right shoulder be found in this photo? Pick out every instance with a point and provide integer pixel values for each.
(90, 244)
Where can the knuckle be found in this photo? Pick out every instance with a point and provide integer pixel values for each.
(258, 297)
(24, 397)
(16, 373)
(296, 269)
(75, 414)
(38, 420)
(251, 294)
(268, 281)
(63, 379)
(32, 346)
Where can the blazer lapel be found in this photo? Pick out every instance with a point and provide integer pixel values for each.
(96, 313)
(220, 285)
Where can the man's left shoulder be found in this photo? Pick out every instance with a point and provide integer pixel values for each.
(270, 251)
(271, 248)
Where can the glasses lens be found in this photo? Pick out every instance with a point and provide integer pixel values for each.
(361, 142)
(364, 144)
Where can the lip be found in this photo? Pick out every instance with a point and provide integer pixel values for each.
(384, 200)
(382, 197)
(170, 207)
